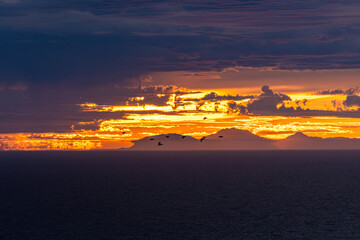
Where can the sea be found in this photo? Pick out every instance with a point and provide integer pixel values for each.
(180, 195)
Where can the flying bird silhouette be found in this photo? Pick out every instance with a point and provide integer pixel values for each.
(202, 139)
(205, 118)
(220, 136)
(160, 144)
(183, 137)
(167, 136)
(123, 132)
(151, 139)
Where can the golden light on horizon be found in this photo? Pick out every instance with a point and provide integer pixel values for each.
(193, 115)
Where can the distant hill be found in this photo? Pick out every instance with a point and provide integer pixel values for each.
(236, 139)
(225, 139)
(301, 141)
(235, 134)
(233, 138)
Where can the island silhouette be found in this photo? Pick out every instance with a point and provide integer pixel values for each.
(237, 139)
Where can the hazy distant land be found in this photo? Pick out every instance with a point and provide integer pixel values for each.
(236, 139)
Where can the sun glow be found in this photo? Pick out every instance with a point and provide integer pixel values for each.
(197, 113)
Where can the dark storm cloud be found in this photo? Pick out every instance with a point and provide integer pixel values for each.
(42, 109)
(94, 42)
(56, 54)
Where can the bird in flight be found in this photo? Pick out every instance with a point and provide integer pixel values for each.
(205, 118)
(160, 144)
(220, 136)
(167, 136)
(183, 137)
(202, 139)
(151, 139)
(123, 132)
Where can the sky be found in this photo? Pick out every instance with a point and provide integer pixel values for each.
(91, 74)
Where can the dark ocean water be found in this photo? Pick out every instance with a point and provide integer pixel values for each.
(180, 195)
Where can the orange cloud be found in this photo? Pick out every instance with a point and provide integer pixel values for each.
(196, 114)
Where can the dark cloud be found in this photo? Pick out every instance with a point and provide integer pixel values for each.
(215, 97)
(45, 109)
(352, 100)
(270, 103)
(236, 108)
(93, 42)
(350, 91)
(154, 95)
(57, 54)
(267, 101)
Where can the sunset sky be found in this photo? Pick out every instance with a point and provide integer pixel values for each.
(100, 74)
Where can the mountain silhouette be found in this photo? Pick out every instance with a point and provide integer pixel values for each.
(301, 141)
(235, 134)
(231, 139)
(237, 139)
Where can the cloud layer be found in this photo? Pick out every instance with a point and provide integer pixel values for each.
(94, 42)
(66, 65)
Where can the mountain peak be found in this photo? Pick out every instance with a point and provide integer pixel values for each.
(234, 134)
(300, 135)
(237, 139)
